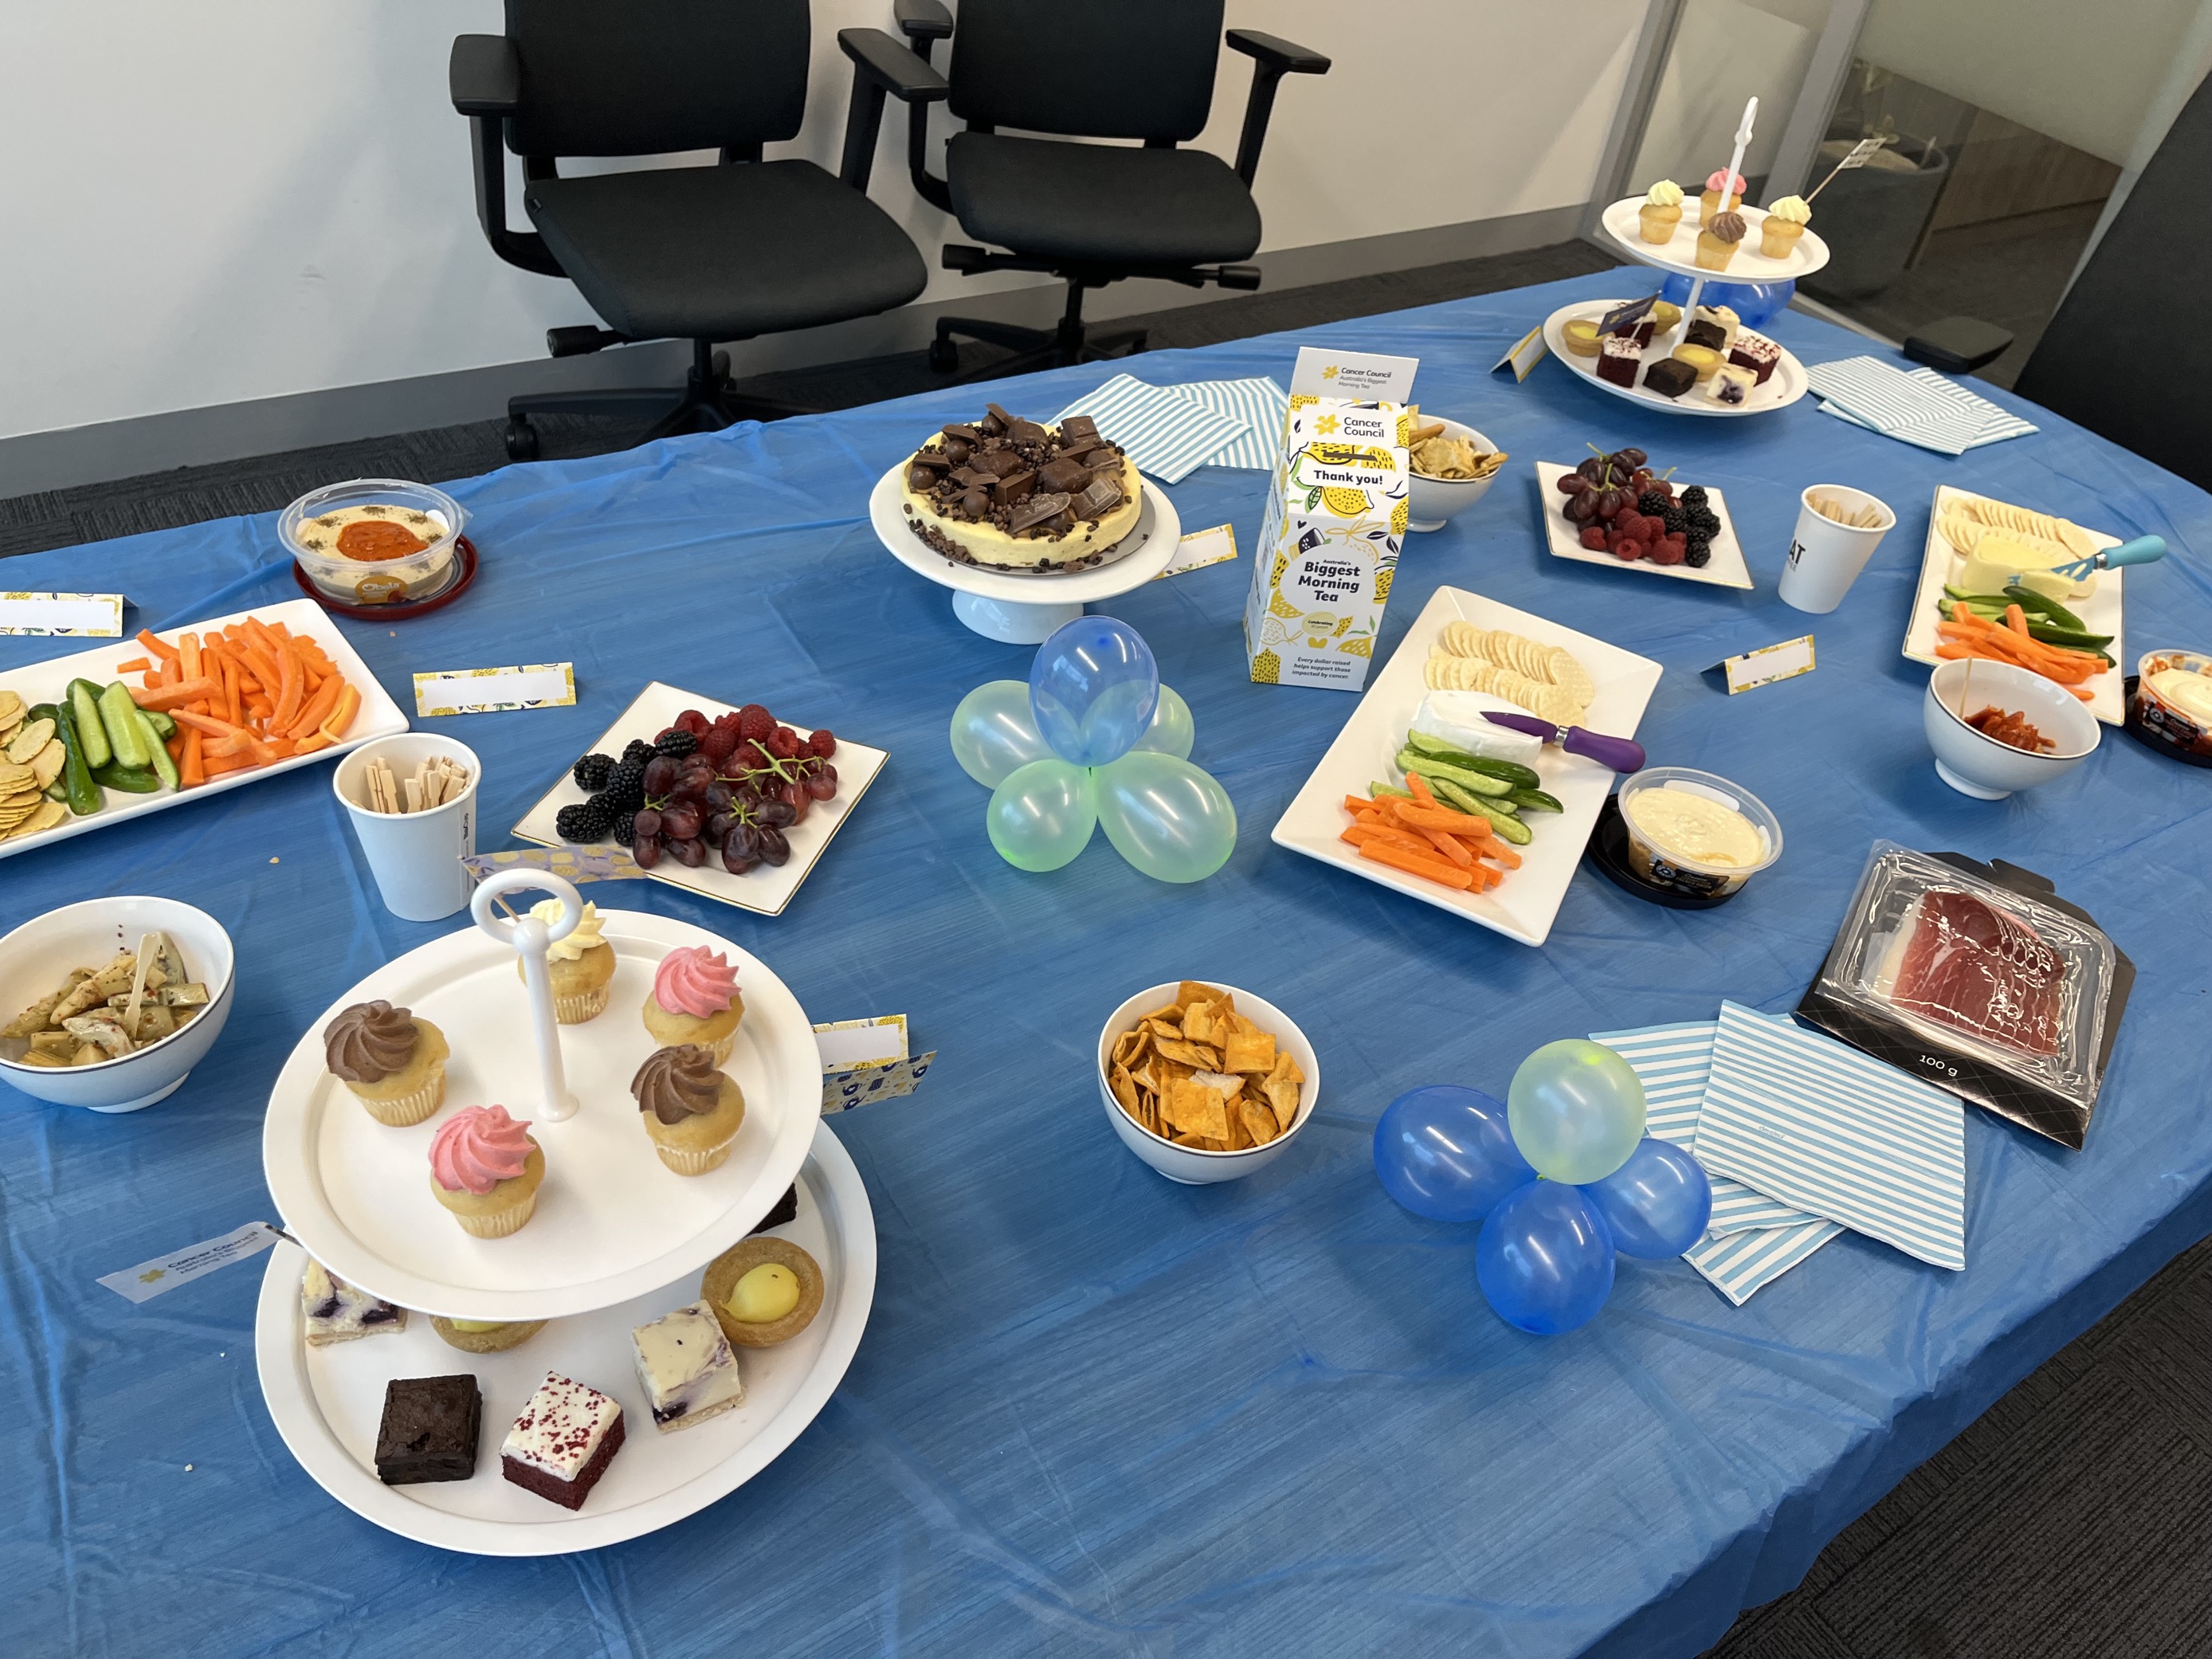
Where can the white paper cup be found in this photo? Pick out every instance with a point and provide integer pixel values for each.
(1825, 557)
(415, 857)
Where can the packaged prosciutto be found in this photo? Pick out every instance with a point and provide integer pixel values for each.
(1980, 979)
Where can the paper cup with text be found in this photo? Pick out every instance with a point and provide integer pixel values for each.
(1825, 557)
(415, 857)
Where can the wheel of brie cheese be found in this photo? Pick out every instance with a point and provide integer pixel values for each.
(1007, 494)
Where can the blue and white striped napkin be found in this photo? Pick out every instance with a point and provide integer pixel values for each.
(1743, 1255)
(1920, 407)
(1260, 403)
(1166, 432)
(1839, 1133)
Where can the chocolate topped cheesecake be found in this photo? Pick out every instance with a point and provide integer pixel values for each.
(1007, 494)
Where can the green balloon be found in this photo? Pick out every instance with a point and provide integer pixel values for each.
(1575, 1110)
(992, 733)
(1172, 730)
(1041, 815)
(1169, 819)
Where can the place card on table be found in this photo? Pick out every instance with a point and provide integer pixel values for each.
(492, 690)
(1363, 376)
(165, 1273)
(96, 615)
(1201, 548)
(865, 1059)
(1524, 355)
(1770, 663)
(577, 865)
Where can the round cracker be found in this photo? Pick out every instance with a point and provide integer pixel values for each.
(724, 1271)
(1565, 670)
(1462, 639)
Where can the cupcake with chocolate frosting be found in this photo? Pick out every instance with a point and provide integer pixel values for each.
(486, 1169)
(394, 1062)
(695, 999)
(692, 1111)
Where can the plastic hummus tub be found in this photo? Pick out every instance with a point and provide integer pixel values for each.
(374, 541)
(2173, 699)
(1696, 833)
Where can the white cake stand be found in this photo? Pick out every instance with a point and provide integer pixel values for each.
(1017, 610)
(326, 1402)
(1623, 222)
(612, 1222)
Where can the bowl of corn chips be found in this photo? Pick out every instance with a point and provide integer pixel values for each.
(110, 1003)
(1451, 467)
(1206, 1083)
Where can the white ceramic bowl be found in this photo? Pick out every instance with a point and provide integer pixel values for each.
(1982, 766)
(36, 957)
(1192, 1165)
(1435, 500)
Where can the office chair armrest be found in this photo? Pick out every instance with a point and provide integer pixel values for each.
(485, 75)
(486, 79)
(923, 22)
(880, 65)
(1272, 58)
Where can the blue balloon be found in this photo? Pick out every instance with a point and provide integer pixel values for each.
(1447, 1153)
(1657, 1203)
(1544, 1258)
(1092, 690)
(1755, 304)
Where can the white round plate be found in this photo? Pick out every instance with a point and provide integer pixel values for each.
(1158, 529)
(613, 1221)
(328, 1401)
(1622, 220)
(1783, 388)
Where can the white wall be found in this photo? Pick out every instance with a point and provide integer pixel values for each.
(206, 205)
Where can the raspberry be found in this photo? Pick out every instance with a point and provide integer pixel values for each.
(755, 722)
(693, 721)
(592, 772)
(821, 745)
(1594, 537)
(720, 742)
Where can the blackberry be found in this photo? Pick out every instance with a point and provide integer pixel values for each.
(1704, 522)
(625, 828)
(640, 752)
(676, 743)
(1676, 520)
(1698, 555)
(1654, 502)
(1694, 496)
(591, 772)
(625, 787)
(584, 822)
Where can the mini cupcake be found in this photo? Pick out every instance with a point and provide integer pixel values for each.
(484, 1335)
(394, 1063)
(1661, 212)
(692, 1112)
(1718, 242)
(695, 999)
(1784, 223)
(486, 1169)
(582, 964)
(1711, 205)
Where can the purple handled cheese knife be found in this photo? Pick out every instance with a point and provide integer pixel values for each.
(1621, 754)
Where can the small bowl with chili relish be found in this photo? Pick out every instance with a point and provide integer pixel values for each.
(375, 541)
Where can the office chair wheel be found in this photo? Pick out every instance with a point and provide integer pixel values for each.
(943, 356)
(522, 439)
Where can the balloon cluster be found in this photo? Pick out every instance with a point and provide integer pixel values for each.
(1093, 738)
(1561, 1176)
(1755, 304)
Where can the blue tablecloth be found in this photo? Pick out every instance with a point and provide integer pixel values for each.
(1095, 1413)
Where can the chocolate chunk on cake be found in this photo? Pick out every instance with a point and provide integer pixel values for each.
(562, 1442)
(1670, 377)
(429, 1430)
(687, 1367)
(338, 1312)
(1007, 493)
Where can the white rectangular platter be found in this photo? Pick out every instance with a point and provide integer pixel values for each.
(1526, 904)
(766, 889)
(43, 682)
(1727, 568)
(2100, 612)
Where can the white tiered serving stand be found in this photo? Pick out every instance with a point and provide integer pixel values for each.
(618, 1239)
(1622, 222)
(1027, 609)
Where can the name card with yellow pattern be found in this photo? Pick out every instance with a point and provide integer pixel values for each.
(493, 690)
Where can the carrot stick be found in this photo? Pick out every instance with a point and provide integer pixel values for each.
(191, 770)
(177, 696)
(342, 716)
(1450, 875)
(1433, 818)
(308, 745)
(215, 765)
(1452, 847)
(1504, 854)
(159, 648)
(136, 665)
(317, 708)
(211, 725)
(1361, 835)
(188, 648)
(288, 689)
(230, 689)
(1419, 787)
(2016, 620)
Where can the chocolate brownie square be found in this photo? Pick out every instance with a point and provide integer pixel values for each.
(787, 1209)
(429, 1430)
(1670, 377)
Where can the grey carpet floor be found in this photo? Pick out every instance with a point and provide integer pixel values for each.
(2073, 1519)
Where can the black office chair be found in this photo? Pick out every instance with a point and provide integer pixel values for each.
(699, 253)
(2089, 365)
(1089, 214)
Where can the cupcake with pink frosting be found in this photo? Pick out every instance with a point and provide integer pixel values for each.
(1710, 204)
(695, 999)
(486, 1169)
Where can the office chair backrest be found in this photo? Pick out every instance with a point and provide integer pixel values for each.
(2089, 365)
(1128, 69)
(642, 77)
